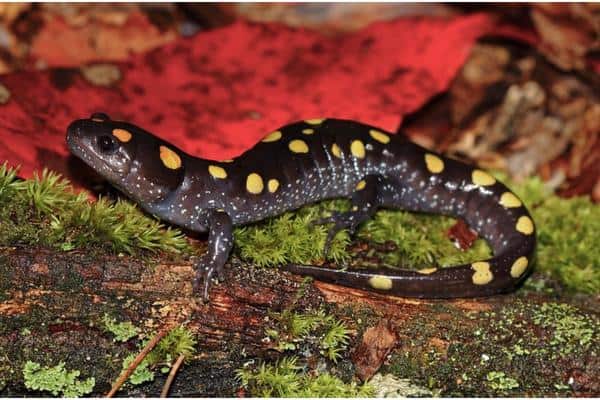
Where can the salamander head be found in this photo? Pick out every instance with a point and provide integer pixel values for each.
(138, 163)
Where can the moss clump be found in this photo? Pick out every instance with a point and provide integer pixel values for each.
(123, 331)
(569, 242)
(56, 380)
(142, 372)
(499, 381)
(45, 211)
(291, 238)
(571, 330)
(287, 379)
(421, 240)
(311, 329)
(179, 341)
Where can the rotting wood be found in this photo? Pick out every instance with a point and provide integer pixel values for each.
(61, 297)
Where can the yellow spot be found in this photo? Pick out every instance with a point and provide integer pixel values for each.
(525, 225)
(254, 183)
(509, 200)
(357, 148)
(217, 172)
(169, 158)
(427, 271)
(308, 131)
(379, 136)
(361, 185)
(315, 121)
(298, 146)
(519, 266)
(354, 208)
(482, 274)
(434, 163)
(336, 151)
(121, 134)
(227, 161)
(482, 178)
(272, 137)
(273, 184)
(380, 282)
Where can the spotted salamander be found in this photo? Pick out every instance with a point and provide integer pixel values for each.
(309, 161)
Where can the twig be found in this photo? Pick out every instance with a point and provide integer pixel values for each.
(171, 377)
(140, 357)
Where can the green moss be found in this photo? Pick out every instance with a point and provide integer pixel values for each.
(287, 378)
(499, 381)
(142, 372)
(421, 240)
(487, 353)
(56, 380)
(291, 238)
(571, 330)
(123, 331)
(45, 211)
(310, 329)
(567, 232)
(179, 341)
(569, 243)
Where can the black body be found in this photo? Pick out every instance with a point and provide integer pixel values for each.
(309, 161)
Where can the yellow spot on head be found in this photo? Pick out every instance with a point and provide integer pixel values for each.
(357, 148)
(254, 183)
(308, 131)
(379, 136)
(227, 161)
(482, 178)
(380, 282)
(482, 275)
(272, 137)
(298, 146)
(434, 164)
(121, 134)
(509, 200)
(169, 158)
(525, 225)
(518, 267)
(361, 185)
(316, 121)
(427, 271)
(336, 151)
(273, 184)
(217, 172)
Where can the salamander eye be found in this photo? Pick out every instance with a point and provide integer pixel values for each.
(107, 144)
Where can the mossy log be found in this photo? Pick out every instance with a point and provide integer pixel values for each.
(52, 305)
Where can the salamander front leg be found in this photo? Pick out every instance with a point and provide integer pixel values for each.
(220, 243)
(365, 201)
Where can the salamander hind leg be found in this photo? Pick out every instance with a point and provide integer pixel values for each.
(220, 243)
(365, 201)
